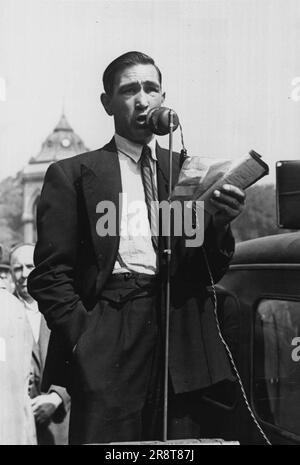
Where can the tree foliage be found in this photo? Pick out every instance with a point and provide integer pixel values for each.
(11, 198)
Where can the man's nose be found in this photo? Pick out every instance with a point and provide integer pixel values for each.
(142, 101)
(25, 271)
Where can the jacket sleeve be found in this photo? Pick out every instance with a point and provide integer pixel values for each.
(218, 255)
(62, 410)
(51, 283)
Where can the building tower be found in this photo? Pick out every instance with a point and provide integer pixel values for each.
(63, 142)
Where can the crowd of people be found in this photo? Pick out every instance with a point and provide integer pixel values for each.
(28, 415)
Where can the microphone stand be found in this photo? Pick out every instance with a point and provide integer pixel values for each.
(168, 253)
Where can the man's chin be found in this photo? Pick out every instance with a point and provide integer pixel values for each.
(23, 293)
(142, 135)
(138, 134)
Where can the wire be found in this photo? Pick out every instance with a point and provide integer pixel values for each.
(181, 135)
(230, 354)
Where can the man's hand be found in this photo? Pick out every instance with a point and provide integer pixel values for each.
(229, 201)
(44, 406)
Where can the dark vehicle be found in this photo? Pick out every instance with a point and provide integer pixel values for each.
(259, 314)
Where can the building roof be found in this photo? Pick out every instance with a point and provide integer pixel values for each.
(63, 142)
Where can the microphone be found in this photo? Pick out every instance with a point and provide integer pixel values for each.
(158, 120)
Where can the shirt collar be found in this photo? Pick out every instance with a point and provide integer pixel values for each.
(132, 149)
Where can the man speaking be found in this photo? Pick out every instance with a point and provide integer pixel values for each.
(103, 294)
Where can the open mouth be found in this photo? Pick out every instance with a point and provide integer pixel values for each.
(141, 121)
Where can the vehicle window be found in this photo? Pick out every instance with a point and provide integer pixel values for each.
(277, 363)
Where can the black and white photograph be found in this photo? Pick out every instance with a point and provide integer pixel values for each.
(149, 225)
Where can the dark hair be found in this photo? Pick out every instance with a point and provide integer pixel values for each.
(125, 61)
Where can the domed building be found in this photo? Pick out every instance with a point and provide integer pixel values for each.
(63, 142)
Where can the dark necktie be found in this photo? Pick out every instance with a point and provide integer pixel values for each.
(150, 194)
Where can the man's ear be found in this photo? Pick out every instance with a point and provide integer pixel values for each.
(105, 100)
(163, 96)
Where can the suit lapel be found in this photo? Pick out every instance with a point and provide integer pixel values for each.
(39, 348)
(101, 181)
(36, 354)
(43, 341)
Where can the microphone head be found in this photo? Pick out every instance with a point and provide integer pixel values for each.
(158, 120)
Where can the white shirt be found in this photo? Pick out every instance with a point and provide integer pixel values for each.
(136, 252)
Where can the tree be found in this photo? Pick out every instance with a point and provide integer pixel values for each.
(11, 198)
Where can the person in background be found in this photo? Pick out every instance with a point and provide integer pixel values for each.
(17, 425)
(51, 407)
(6, 281)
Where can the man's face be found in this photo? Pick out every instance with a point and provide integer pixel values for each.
(6, 279)
(21, 266)
(136, 91)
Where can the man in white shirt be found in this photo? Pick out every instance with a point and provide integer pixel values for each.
(100, 283)
(54, 404)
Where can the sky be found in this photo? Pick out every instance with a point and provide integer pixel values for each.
(230, 70)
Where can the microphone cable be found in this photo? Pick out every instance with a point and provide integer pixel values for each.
(215, 303)
(183, 152)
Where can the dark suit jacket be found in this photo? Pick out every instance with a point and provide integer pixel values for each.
(73, 263)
